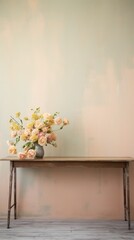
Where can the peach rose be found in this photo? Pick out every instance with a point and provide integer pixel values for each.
(42, 140)
(51, 137)
(12, 149)
(41, 134)
(65, 121)
(31, 154)
(22, 155)
(13, 134)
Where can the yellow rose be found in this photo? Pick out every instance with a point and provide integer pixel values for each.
(30, 125)
(35, 116)
(33, 138)
(15, 126)
(23, 137)
(17, 114)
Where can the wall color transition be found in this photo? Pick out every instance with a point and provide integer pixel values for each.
(75, 57)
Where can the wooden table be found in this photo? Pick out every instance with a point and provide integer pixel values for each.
(92, 162)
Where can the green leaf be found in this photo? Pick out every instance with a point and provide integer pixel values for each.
(55, 114)
(37, 110)
(29, 145)
(21, 121)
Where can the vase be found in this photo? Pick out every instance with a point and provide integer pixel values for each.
(39, 151)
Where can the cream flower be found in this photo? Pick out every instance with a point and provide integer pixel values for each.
(20, 132)
(46, 115)
(42, 140)
(38, 124)
(9, 143)
(45, 129)
(58, 120)
(35, 131)
(31, 154)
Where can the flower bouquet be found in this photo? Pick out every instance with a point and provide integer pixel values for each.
(37, 130)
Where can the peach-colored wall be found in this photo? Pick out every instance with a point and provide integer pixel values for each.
(75, 57)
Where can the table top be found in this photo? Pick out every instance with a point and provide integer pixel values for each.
(70, 159)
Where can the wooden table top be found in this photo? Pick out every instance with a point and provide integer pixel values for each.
(70, 159)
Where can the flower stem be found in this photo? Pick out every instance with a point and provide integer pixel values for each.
(16, 121)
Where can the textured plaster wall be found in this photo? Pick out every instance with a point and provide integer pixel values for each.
(75, 57)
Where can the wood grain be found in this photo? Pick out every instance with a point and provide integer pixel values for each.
(40, 229)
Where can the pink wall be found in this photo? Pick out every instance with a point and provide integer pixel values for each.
(72, 193)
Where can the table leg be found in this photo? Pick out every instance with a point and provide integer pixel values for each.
(124, 194)
(128, 195)
(10, 194)
(15, 193)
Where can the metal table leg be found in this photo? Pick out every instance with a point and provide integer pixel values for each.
(128, 195)
(10, 194)
(15, 215)
(126, 191)
(124, 194)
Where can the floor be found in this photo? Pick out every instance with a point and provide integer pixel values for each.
(27, 229)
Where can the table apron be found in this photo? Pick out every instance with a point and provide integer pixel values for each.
(70, 164)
